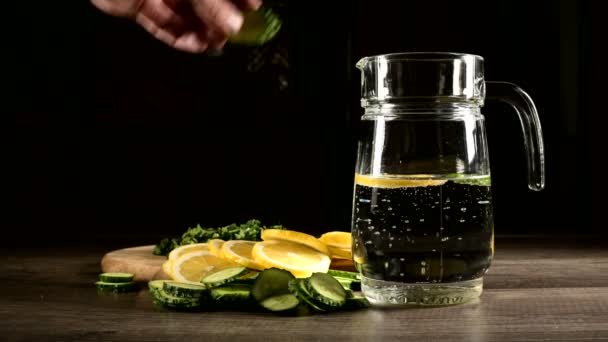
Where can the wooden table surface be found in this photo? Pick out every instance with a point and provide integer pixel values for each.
(538, 289)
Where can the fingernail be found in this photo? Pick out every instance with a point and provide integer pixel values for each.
(234, 22)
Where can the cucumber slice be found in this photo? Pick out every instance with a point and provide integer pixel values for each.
(161, 297)
(183, 290)
(258, 27)
(346, 283)
(251, 275)
(296, 287)
(280, 303)
(231, 293)
(116, 287)
(355, 303)
(326, 289)
(271, 282)
(116, 277)
(156, 285)
(223, 276)
(164, 299)
(353, 276)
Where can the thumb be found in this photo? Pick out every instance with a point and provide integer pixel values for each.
(219, 15)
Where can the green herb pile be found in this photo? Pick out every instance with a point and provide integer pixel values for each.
(250, 230)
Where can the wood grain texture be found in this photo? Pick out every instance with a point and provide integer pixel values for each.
(540, 290)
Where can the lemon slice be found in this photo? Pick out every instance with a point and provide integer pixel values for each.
(294, 236)
(337, 239)
(168, 267)
(215, 246)
(181, 250)
(239, 252)
(340, 253)
(191, 267)
(397, 181)
(301, 260)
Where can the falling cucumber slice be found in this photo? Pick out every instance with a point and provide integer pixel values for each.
(355, 303)
(116, 277)
(298, 289)
(231, 293)
(461, 178)
(271, 282)
(183, 290)
(156, 286)
(116, 287)
(259, 27)
(326, 289)
(224, 276)
(280, 303)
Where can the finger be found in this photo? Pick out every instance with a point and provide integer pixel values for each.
(163, 16)
(249, 5)
(119, 8)
(188, 42)
(219, 15)
(216, 40)
(191, 42)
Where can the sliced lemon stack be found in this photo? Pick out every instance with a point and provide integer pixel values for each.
(299, 259)
(178, 252)
(339, 244)
(299, 253)
(296, 237)
(215, 246)
(239, 252)
(189, 263)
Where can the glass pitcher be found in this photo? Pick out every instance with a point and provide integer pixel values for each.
(422, 218)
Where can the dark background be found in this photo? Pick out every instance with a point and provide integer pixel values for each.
(113, 134)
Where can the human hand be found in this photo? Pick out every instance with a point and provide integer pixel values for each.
(187, 25)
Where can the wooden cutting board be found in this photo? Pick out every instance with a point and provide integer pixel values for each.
(146, 266)
(137, 260)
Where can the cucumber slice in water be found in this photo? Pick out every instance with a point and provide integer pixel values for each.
(223, 276)
(183, 290)
(116, 287)
(280, 303)
(326, 289)
(116, 277)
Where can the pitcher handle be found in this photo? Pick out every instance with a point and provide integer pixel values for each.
(530, 124)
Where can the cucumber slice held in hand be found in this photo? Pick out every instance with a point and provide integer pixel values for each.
(259, 27)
